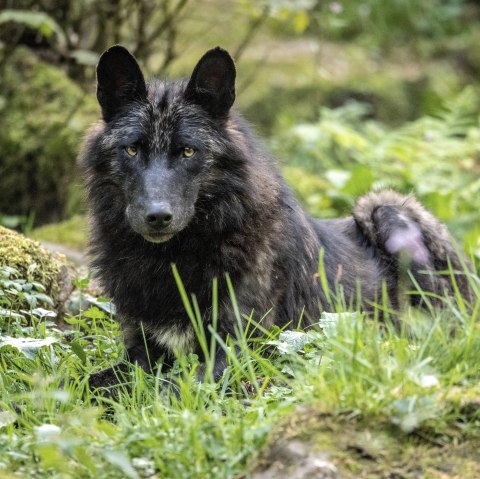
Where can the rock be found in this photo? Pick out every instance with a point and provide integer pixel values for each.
(75, 256)
(34, 263)
(296, 460)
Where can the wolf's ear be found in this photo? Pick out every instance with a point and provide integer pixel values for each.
(212, 84)
(119, 81)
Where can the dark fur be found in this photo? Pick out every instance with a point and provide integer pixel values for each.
(232, 213)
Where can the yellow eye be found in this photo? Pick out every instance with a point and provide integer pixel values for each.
(188, 152)
(131, 150)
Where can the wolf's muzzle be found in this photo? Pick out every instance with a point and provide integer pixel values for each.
(158, 216)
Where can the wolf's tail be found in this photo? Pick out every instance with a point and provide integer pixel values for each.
(395, 223)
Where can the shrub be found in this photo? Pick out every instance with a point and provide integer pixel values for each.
(44, 116)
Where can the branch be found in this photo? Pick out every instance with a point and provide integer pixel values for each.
(170, 18)
(254, 27)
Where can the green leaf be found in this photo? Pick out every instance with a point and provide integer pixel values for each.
(7, 417)
(79, 351)
(47, 432)
(40, 21)
(360, 181)
(295, 341)
(301, 20)
(44, 298)
(27, 346)
(8, 313)
(42, 313)
(121, 460)
(411, 412)
(339, 178)
(102, 303)
(81, 283)
(93, 313)
(84, 57)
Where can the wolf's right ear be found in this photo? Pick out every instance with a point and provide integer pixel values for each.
(212, 84)
(119, 81)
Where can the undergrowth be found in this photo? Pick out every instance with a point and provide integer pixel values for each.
(416, 373)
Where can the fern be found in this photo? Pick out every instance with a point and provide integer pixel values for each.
(436, 157)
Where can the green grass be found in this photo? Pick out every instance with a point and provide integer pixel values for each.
(413, 387)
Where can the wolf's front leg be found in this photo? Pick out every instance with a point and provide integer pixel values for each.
(106, 378)
(216, 370)
(140, 350)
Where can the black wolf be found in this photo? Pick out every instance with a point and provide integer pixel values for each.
(175, 176)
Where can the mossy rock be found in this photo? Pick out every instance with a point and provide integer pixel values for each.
(34, 263)
(44, 115)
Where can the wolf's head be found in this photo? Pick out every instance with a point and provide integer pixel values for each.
(161, 139)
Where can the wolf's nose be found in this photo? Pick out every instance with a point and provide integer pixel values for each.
(158, 215)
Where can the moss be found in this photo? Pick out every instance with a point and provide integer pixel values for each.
(44, 116)
(71, 232)
(365, 449)
(34, 263)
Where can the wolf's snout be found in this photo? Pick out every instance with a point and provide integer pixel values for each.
(158, 216)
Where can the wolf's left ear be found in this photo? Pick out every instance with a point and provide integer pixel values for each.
(119, 81)
(212, 84)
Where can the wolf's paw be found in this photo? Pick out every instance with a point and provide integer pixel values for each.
(108, 378)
